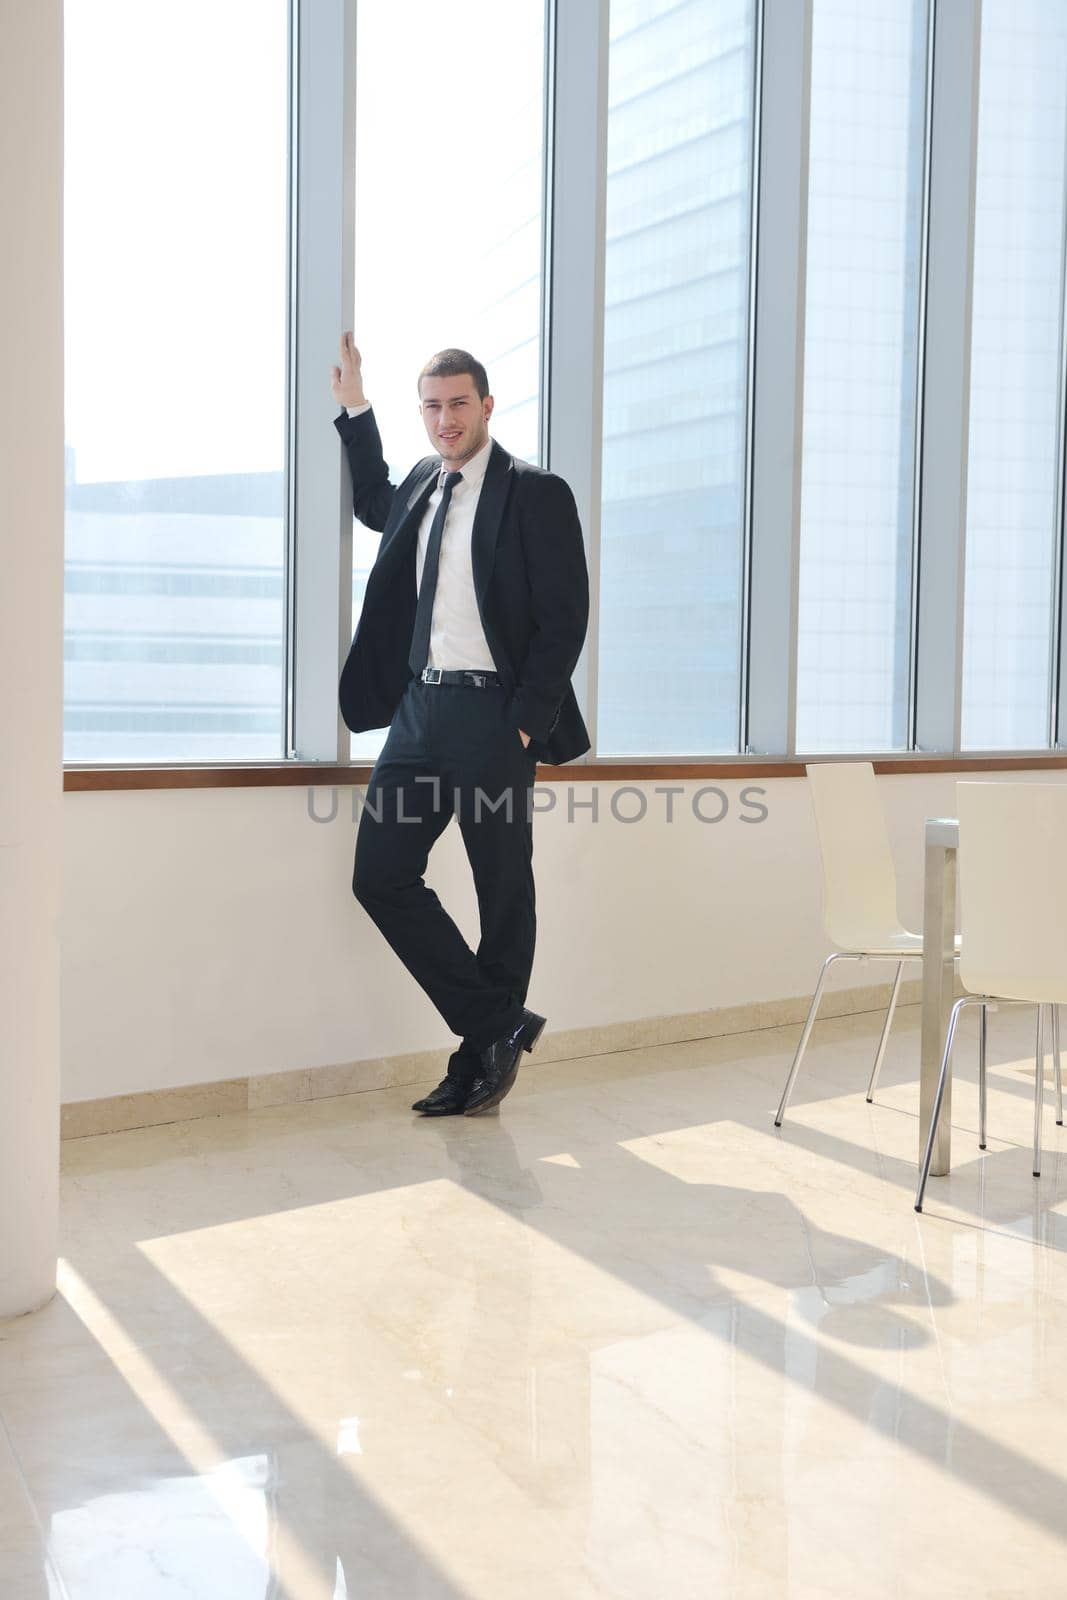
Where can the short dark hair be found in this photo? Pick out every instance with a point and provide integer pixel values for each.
(454, 364)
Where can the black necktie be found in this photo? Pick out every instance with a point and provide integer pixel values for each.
(420, 638)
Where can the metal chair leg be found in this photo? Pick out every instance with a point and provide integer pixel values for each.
(884, 1040)
(1056, 1064)
(1039, 1084)
(935, 1116)
(804, 1037)
(982, 1031)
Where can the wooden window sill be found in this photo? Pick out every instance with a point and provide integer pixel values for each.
(307, 774)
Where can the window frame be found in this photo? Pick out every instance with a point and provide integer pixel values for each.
(318, 535)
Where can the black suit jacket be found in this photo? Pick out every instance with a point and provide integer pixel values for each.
(530, 580)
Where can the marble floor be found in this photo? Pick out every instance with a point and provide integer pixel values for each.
(624, 1340)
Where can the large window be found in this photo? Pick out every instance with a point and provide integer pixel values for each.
(868, 95)
(1016, 395)
(676, 320)
(751, 461)
(449, 176)
(175, 223)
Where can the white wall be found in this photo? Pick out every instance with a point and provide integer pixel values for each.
(31, 642)
(212, 933)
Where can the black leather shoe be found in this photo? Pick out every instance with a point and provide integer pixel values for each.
(500, 1064)
(447, 1100)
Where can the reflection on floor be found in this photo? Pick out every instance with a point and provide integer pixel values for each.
(623, 1340)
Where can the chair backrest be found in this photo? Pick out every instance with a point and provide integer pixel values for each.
(859, 883)
(1013, 889)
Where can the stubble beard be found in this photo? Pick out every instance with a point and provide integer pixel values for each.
(451, 452)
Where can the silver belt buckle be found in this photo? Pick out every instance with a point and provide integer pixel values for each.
(431, 674)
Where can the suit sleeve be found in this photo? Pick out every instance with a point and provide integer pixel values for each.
(559, 601)
(372, 493)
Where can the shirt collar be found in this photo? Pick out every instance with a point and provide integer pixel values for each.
(474, 470)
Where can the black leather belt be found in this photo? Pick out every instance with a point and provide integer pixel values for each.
(471, 678)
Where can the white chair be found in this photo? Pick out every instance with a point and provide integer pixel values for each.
(859, 891)
(1013, 898)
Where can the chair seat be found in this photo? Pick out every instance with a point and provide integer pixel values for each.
(898, 944)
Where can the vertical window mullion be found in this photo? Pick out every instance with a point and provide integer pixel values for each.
(919, 439)
(778, 376)
(575, 339)
(1058, 652)
(291, 192)
(946, 376)
(322, 295)
(750, 395)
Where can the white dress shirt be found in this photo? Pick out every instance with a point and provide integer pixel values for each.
(457, 639)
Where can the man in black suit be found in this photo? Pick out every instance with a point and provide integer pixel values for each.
(473, 619)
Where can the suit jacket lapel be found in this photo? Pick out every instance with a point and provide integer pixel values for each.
(401, 535)
(426, 482)
(487, 519)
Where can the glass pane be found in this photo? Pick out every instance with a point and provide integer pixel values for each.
(448, 220)
(868, 95)
(1015, 375)
(175, 219)
(675, 375)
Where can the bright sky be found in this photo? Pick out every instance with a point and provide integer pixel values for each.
(448, 199)
(175, 235)
(175, 220)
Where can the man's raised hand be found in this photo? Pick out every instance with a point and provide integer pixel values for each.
(347, 379)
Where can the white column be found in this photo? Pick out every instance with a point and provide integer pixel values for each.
(31, 642)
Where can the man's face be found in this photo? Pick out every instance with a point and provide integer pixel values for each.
(457, 421)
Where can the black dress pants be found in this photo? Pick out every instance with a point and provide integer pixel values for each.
(452, 750)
